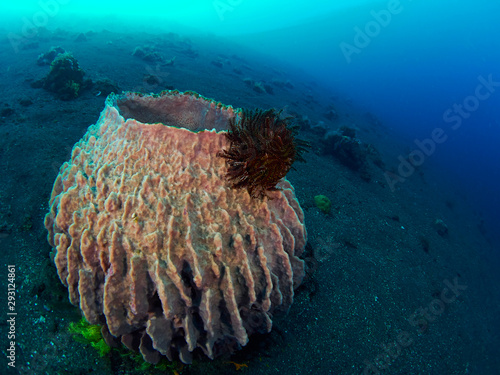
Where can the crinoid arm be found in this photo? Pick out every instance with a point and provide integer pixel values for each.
(263, 145)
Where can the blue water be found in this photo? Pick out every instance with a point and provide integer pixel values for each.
(413, 62)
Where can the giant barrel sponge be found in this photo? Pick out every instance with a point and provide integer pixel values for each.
(153, 241)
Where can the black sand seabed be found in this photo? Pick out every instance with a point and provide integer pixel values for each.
(372, 269)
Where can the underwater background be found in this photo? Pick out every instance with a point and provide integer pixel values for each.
(416, 81)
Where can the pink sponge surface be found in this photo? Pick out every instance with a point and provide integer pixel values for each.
(153, 243)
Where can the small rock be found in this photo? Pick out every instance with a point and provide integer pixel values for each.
(81, 38)
(25, 102)
(104, 87)
(7, 111)
(151, 79)
(268, 89)
(259, 87)
(248, 81)
(331, 115)
(48, 57)
(441, 227)
(217, 63)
